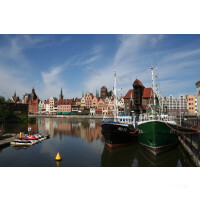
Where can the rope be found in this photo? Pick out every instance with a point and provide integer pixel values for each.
(134, 132)
(180, 131)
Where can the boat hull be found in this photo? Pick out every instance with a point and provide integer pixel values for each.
(157, 136)
(117, 135)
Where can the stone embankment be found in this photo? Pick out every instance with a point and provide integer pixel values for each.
(6, 142)
(71, 116)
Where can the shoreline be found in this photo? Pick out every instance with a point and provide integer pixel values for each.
(71, 116)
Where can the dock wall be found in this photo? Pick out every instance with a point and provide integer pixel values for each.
(191, 144)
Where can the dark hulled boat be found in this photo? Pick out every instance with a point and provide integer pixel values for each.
(121, 131)
(117, 134)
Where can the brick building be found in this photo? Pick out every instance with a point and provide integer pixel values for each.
(147, 98)
(104, 92)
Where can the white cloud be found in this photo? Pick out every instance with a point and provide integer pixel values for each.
(51, 82)
(182, 54)
(11, 81)
(134, 57)
(52, 76)
(84, 61)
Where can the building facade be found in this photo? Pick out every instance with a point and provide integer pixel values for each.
(147, 99)
(51, 105)
(88, 100)
(198, 97)
(176, 106)
(104, 92)
(191, 104)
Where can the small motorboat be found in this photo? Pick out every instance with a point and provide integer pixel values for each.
(21, 142)
(30, 137)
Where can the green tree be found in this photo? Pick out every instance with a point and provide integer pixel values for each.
(5, 112)
(110, 93)
(2, 99)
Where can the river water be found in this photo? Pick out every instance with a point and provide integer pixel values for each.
(81, 144)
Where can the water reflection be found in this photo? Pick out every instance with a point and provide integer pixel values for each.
(88, 129)
(81, 143)
(119, 157)
(137, 156)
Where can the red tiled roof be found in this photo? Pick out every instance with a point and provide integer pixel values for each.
(64, 102)
(148, 92)
(139, 82)
(47, 102)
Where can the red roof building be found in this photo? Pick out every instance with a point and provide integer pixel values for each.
(33, 106)
(147, 98)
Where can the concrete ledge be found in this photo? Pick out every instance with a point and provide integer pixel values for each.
(6, 141)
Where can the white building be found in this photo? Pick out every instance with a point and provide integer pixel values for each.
(53, 108)
(83, 102)
(196, 109)
(198, 97)
(93, 111)
(175, 106)
(47, 108)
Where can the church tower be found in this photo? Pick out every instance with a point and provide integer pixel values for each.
(61, 94)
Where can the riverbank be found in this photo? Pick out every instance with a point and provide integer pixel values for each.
(71, 116)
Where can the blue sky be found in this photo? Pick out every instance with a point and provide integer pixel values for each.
(86, 62)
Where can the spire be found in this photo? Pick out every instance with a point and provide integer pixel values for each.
(61, 94)
(33, 90)
(15, 93)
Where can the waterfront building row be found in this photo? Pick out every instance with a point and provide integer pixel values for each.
(184, 105)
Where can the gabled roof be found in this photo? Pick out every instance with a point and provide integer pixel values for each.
(197, 82)
(138, 82)
(147, 93)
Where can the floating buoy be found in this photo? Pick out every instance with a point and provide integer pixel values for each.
(58, 157)
(20, 135)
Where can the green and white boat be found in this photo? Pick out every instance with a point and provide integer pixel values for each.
(158, 131)
(158, 135)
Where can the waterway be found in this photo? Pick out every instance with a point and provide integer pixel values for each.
(81, 144)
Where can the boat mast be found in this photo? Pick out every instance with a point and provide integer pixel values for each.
(154, 99)
(115, 96)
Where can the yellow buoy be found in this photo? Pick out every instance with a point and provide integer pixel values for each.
(58, 157)
(58, 163)
(20, 135)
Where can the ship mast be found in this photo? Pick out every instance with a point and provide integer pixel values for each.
(154, 99)
(115, 96)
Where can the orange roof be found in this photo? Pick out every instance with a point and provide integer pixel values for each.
(147, 93)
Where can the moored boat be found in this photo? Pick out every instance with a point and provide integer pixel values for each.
(119, 134)
(121, 131)
(157, 136)
(158, 132)
(21, 142)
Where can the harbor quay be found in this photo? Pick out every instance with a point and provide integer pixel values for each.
(72, 116)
